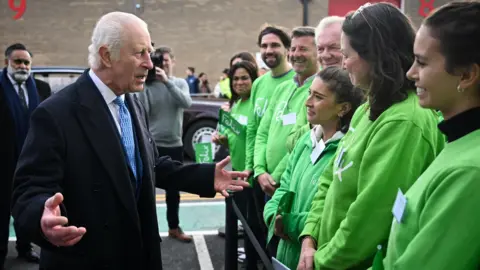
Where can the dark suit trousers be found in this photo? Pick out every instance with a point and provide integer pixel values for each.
(173, 196)
(5, 204)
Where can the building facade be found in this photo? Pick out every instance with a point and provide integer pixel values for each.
(203, 33)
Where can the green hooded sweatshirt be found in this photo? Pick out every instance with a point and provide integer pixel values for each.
(300, 176)
(278, 121)
(439, 226)
(262, 90)
(240, 111)
(351, 212)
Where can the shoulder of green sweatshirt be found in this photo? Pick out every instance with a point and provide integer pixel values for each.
(300, 177)
(241, 111)
(439, 225)
(374, 160)
(262, 89)
(275, 127)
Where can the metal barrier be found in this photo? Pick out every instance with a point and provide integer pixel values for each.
(231, 236)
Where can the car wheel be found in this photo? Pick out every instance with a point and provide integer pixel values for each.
(200, 131)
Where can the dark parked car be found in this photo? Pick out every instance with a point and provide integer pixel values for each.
(199, 121)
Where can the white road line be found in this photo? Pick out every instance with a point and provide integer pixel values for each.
(202, 253)
(190, 204)
(162, 234)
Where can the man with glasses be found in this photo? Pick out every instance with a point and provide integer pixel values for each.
(18, 99)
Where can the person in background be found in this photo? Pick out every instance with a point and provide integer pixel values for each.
(390, 143)
(274, 44)
(192, 80)
(439, 225)
(243, 56)
(331, 103)
(84, 187)
(287, 100)
(222, 89)
(327, 38)
(164, 98)
(18, 99)
(204, 84)
(262, 71)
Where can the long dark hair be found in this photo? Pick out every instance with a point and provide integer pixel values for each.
(383, 36)
(457, 27)
(252, 72)
(338, 82)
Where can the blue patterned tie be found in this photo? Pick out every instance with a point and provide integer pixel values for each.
(127, 134)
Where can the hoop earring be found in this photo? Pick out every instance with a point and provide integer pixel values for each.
(460, 90)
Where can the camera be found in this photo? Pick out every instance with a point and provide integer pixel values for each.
(157, 60)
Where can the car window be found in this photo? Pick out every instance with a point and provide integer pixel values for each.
(57, 81)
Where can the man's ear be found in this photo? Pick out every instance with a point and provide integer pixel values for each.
(6, 62)
(105, 56)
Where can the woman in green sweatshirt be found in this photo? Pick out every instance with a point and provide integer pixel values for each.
(242, 75)
(330, 105)
(439, 228)
(391, 141)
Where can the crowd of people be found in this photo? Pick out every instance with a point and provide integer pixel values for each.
(363, 120)
(358, 149)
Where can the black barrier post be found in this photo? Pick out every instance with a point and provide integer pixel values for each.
(231, 235)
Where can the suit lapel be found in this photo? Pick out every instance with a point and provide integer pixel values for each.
(96, 120)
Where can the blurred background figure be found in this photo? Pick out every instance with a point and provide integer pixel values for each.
(204, 84)
(192, 80)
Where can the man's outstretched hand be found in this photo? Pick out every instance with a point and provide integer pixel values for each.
(53, 224)
(225, 180)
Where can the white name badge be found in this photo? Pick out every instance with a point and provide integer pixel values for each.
(243, 120)
(317, 151)
(289, 119)
(399, 206)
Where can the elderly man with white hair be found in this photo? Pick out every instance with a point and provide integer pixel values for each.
(84, 187)
(327, 37)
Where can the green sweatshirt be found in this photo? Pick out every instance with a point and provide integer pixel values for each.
(300, 176)
(262, 89)
(439, 227)
(241, 112)
(351, 212)
(270, 147)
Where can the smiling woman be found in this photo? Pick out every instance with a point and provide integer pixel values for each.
(440, 225)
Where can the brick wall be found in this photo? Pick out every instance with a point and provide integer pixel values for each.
(203, 33)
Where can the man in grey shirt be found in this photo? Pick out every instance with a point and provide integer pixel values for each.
(165, 97)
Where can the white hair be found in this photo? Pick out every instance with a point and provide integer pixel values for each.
(325, 22)
(109, 32)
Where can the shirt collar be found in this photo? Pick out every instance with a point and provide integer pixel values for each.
(107, 93)
(461, 124)
(295, 79)
(316, 135)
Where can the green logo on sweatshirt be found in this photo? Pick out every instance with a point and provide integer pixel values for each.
(260, 106)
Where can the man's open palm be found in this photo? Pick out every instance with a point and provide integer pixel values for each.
(225, 180)
(54, 227)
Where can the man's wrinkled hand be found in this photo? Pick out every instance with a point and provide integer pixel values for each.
(267, 183)
(54, 227)
(225, 180)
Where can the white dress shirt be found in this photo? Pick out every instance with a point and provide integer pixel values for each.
(109, 96)
(23, 87)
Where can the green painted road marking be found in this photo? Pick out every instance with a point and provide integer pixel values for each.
(194, 216)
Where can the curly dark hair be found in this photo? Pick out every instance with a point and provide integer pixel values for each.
(383, 36)
(456, 26)
(338, 82)
(252, 71)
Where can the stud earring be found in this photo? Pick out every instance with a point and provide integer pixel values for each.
(460, 90)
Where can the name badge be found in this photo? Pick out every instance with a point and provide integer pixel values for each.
(317, 151)
(243, 120)
(289, 119)
(399, 206)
